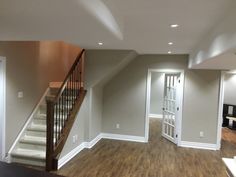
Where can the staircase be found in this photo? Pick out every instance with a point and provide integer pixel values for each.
(45, 133)
(31, 147)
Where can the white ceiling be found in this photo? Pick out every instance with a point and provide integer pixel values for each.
(225, 61)
(142, 25)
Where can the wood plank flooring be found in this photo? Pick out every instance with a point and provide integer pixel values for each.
(157, 158)
(228, 135)
(14, 170)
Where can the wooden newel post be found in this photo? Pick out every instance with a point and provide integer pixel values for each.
(50, 133)
(82, 71)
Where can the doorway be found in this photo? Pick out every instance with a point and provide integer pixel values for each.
(227, 110)
(164, 100)
(2, 106)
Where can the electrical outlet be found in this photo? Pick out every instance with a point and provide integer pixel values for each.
(117, 126)
(201, 134)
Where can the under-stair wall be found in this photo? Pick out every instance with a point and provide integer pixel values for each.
(100, 67)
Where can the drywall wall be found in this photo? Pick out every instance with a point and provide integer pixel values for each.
(125, 96)
(100, 67)
(157, 93)
(201, 106)
(96, 111)
(220, 40)
(77, 130)
(30, 66)
(230, 89)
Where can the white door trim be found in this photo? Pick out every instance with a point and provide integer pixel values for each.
(2, 106)
(148, 94)
(220, 109)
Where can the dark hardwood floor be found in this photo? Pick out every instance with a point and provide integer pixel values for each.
(15, 170)
(157, 158)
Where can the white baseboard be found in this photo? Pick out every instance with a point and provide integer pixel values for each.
(62, 161)
(70, 155)
(123, 137)
(196, 145)
(155, 116)
(90, 144)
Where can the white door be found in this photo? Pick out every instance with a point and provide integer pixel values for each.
(170, 107)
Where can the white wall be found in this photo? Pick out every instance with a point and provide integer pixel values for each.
(157, 93)
(230, 89)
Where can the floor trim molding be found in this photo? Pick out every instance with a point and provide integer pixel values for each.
(92, 143)
(62, 161)
(70, 155)
(197, 145)
(140, 139)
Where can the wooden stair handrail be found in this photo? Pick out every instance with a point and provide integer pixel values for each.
(62, 110)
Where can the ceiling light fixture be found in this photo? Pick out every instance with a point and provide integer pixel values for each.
(170, 43)
(174, 25)
(100, 43)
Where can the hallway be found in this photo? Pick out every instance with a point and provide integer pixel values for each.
(157, 158)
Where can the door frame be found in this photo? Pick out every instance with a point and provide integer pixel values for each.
(148, 95)
(220, 109)
(3, 106)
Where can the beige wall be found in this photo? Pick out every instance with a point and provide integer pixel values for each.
(78, 129)
(201, 106)
(230, 87)
(125, 96)
(100, 66)
(30, 66)
(157, 93)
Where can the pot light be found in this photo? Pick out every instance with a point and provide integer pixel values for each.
(169, 52)
(174, 25)
(170, 43)
(100, 43)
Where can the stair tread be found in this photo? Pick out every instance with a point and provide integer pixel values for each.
(40, 127)
(44, 116)
(40, 116)
(33, 154)
(33, 140)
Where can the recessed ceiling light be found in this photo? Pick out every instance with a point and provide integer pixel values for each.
(169, 52)
(174, 25)
(170, 43)
(100, 43)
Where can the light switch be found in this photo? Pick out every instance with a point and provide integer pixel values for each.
(20, 94)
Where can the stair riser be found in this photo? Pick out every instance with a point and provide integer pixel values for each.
(43, 110)
(39, 121)
(41, 129)
(32, 146)
(36, 133)
(31, 162)
(43, 118)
